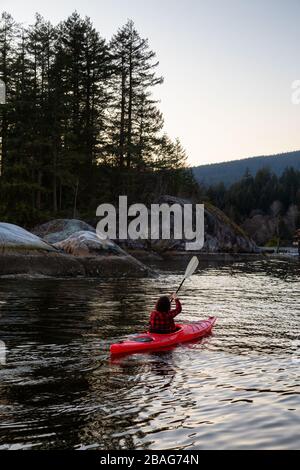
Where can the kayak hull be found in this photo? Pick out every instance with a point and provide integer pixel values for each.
(152, 341)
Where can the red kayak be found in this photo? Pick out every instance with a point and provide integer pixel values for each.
(153, 341)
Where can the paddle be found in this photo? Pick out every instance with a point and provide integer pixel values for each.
(192, 266)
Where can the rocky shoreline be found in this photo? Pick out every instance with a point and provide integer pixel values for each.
(81, 254)
(71, 248)
(62, 265)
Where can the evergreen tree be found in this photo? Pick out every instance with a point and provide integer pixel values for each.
(8, 32)
(82, 65)
(135, 120)
(148, 129)
(169, 155)
(40, 48)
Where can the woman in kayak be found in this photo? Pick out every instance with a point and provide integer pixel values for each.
(162, 318)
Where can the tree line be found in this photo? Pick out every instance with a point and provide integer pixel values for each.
(264, 193)
(80, 125)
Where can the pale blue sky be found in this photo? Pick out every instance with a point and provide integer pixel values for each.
(228, 67)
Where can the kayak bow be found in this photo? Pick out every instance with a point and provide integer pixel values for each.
(153, 341)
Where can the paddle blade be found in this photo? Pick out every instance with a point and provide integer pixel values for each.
(192, 266)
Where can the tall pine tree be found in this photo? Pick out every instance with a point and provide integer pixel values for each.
(134, 118)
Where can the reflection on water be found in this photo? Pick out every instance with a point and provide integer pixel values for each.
(238, 388)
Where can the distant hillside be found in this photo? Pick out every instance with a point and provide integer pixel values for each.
(230, 172)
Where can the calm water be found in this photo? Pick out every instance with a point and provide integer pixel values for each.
(236, 389)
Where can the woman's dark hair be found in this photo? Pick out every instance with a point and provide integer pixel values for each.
(163, 304)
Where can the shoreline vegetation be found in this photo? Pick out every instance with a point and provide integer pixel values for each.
(265, 205)
(71, 248)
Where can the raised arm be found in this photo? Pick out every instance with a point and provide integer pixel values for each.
(177, 310)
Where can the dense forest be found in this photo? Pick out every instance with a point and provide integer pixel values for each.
(80, 125)
(231, 172)
(265, 194)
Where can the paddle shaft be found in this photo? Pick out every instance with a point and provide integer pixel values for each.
(180, 286)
